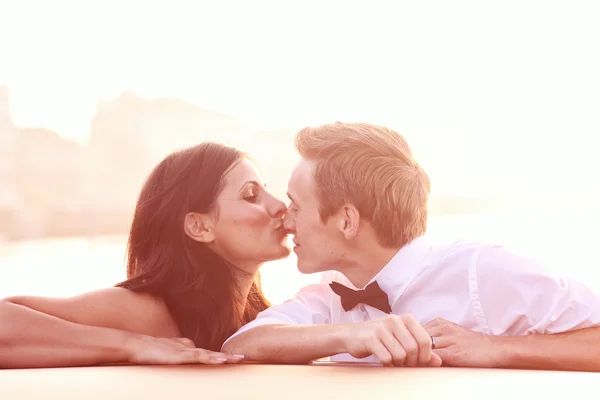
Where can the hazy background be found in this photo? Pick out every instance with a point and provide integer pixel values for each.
(499, 100)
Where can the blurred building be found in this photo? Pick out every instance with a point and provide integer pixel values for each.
(48, 173)
(129, 135)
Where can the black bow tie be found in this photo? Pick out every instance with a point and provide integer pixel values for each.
(371, 295)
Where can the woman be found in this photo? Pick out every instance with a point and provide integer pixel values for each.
(202, 226)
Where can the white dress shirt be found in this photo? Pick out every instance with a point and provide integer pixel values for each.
(481, 287)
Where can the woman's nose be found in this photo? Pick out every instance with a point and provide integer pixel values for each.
(288, 224)
(277, 209)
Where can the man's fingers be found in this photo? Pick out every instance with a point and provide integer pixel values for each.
(421, 340)
(435, 360)
(442, 342)
(394, 347)
(380, 351)
(440, 326)
(435, 322)
(407, 342)
(435, 330)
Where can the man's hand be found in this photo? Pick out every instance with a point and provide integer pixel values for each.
(149, 350)
(460, 347)
(397, 340)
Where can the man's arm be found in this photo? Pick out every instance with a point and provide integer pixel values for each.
(284, 343)
(577, 350)
(300, 331)
(296, 331)
(394, 340)
(527, 317)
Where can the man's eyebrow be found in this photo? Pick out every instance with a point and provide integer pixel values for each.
(253, 183)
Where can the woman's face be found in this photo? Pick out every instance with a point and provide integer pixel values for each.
(248, 222)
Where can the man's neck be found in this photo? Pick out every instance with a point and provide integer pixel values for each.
(362, 265)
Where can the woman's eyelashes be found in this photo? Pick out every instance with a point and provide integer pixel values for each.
(251, 199)
(251, 196)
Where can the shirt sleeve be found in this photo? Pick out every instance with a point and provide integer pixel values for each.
(515, 295)
(311, 305)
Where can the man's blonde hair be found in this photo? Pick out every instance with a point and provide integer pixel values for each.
(371, 167)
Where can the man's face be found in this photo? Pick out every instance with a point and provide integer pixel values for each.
(318, 246)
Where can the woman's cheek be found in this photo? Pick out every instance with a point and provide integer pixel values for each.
(252, 217)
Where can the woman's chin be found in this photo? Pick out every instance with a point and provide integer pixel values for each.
(277, 251)
(283, 251)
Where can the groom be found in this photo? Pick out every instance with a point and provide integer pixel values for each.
(359, 211)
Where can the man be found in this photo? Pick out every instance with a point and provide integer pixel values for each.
(359, 211)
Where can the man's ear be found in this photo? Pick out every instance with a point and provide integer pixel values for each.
(199, 227)
(348, 221)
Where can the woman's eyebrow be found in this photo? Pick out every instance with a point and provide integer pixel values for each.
(253, 183)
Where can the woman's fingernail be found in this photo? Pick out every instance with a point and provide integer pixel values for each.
(221, 359)
(238, 356)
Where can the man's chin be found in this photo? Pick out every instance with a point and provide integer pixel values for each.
(307, 269)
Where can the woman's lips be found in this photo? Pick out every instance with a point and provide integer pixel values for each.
(280, 232)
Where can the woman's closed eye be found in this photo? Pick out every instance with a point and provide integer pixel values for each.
(251, 197)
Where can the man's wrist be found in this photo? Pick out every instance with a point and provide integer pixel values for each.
(502, 351)
(340, 337)
(514, 351)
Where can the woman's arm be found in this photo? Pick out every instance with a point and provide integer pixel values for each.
(107, 326)
(29, 339)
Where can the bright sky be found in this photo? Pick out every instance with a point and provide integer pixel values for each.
(504, 74)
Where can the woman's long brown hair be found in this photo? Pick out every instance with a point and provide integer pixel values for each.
(196, 284)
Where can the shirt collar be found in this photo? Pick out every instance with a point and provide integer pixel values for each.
(406, 264)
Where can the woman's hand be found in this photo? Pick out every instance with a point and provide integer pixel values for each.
(145, 349)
